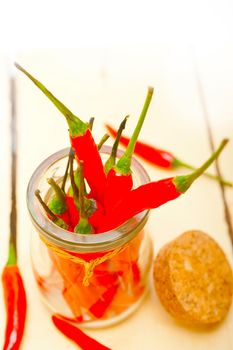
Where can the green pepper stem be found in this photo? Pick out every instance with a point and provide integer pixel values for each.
(179, 163)
(58, 191)
(45, 207)
(102, 141)
(12, 254)
(81, 191)
(91, 122)
(183, 182)
(76, 125)
(56, 220)
(83, 226)
(65, 175)
(124, 163)
(112, 159)
(72, 180)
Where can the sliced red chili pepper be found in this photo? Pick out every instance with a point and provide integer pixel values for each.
(78, 336)
(81, 140)
(119, 178)
(153, 194)
(106, 278)
(100, 307)
(136, 272)
(160, 157)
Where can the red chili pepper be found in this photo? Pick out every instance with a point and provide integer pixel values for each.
(81, 140)
(96, 217)
(153, 155)
(15, 303)
(79, 337)
(87, 151)
(119, 179)
(153, 194)
(117, 186)
(73, 211)
(13, 287)
(160, 157)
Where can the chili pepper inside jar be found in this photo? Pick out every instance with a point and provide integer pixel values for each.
(95, 280)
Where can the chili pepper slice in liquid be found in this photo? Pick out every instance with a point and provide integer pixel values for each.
(154, 194)
(160, 157)
(77, 335)
(81, 140)
(119, 179)
(100, 307)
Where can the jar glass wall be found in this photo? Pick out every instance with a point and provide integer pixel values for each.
(95, 280)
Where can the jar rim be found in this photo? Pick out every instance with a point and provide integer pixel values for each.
(79, 242)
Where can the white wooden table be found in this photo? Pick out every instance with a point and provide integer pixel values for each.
(108, 84)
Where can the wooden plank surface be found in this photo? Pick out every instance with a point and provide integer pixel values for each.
(108, 84)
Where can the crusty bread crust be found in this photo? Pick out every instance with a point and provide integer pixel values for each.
(193, 279)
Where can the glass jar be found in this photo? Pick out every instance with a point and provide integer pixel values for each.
(95, 280)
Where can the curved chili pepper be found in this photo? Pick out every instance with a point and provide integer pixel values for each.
(153, 194)
(13, 286)
(81, 140)
(160, 157)
(119, 179)
(79, 337)
(16, 305)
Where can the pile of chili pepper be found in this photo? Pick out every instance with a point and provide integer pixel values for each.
(110, 200)
(95, 197)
